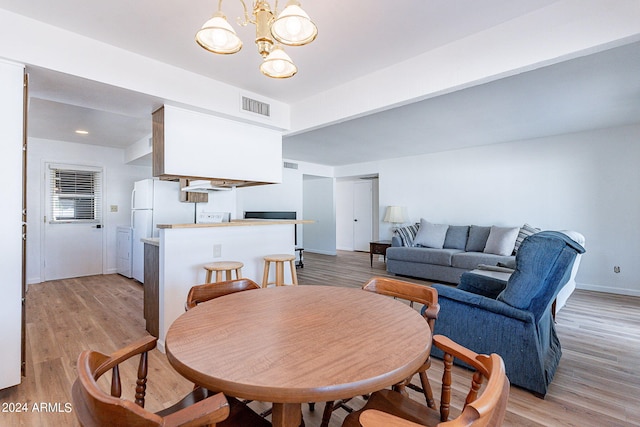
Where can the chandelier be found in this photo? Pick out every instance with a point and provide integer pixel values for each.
(292, 27)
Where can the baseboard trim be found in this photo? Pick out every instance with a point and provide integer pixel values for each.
(608, 289)
(321, 252)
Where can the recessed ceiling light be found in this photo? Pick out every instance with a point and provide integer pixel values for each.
(82, 132)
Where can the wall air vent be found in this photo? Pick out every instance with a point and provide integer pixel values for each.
(257, 107)
(289, 165)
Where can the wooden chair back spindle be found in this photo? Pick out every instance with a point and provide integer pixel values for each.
(95, 408)
(483, 406)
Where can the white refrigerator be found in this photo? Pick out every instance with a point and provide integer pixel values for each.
(154, 202)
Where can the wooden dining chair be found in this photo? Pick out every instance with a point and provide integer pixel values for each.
(95, 408)
(208, 291)
(415, 294)
(485, 404)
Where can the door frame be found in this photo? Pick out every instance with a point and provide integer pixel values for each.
(45, 208)
(341, 222)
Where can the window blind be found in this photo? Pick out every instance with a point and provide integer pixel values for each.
(75, 195)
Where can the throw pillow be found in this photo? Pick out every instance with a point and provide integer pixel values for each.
(431, 235)
(456, 237)
(525, 231)
(407, 234)
(501, 240)
(477, 238)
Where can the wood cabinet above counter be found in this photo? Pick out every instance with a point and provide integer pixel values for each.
(194, 145)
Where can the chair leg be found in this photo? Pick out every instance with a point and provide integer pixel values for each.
(326, 415)
(426, 387)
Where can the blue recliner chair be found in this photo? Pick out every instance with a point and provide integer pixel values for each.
(515, 320)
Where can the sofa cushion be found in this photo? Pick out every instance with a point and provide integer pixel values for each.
(525, 231)
(407, 234)
(456, 237)
(422, 255)
(501, 240)
(477, 238)
(431, 235)
(471, 260)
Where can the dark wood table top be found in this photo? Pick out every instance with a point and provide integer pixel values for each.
(294, 344)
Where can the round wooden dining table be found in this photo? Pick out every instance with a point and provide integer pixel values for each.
(295, 344)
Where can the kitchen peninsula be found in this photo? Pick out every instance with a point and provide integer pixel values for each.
(183, 249)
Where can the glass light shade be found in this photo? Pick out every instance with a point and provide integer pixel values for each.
(394, 214)
(293, 26)
(278, 64)
(217, 36)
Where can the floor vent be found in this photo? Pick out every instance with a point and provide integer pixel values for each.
(289, 165)
(257, 107)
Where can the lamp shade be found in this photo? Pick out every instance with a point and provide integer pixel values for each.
(293, 26)
(394, 214)
(216, 35)
(278, 65)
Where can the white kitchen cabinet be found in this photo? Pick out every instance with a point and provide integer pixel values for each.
(202, 146)
(11, 262)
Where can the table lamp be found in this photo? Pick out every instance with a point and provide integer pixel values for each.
(394, 215)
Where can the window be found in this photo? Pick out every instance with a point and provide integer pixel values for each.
(75, 194)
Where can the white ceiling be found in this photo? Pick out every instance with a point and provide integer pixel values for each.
(355, 38)
(592, 92)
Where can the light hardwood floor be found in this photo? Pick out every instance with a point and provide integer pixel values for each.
(597, 382)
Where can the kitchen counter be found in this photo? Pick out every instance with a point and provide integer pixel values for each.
(151, 241)
(238, 223)
(184, 249)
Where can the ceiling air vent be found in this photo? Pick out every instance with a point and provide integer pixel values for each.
(257, 107)
(289, 165)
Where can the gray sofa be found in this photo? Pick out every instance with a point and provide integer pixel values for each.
(462, 249)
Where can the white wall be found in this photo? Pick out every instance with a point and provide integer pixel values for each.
(11, 122)
(40, 44)
(319, 205)
(586, 182)
(119, 179)
(287, 196)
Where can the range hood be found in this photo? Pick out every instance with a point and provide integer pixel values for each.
(205, 185)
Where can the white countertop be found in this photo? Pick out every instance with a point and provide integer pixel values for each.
(151, 241)
(239, 223)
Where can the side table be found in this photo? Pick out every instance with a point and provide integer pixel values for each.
(379, 248)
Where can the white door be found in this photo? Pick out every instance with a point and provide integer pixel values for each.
(362, 215)
(73, 232)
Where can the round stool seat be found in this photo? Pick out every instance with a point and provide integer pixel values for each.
(279, 257)
(279, 260)
(223, 266)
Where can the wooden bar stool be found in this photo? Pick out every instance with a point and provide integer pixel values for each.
(279, 260)
(223, 266)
